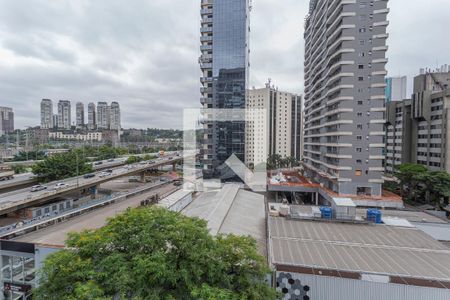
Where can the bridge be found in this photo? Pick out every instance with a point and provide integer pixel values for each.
(13, 201)
(28, 179)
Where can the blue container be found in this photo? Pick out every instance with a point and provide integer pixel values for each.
(326, 212)
(374, 215)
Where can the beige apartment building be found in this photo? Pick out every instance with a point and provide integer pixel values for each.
(277, 128)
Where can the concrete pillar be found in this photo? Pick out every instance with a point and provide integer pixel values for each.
(317, 198)
(93, 190)
(174, 167)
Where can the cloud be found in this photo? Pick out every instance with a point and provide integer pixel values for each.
(144, 53)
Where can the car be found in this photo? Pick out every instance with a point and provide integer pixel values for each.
(97, 163)
(37, 188)
(87, 176)
(111, 160)
(61, 185)
(108, 171)
(104, 174)
(177, 183)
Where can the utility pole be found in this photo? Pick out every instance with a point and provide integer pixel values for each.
(76, 155)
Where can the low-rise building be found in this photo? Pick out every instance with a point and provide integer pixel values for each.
(317, 259)
(85, 136)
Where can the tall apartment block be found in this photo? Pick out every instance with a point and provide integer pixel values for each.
(418, 128)
(345, 57)
(103, 118)
(6, 120)
(114, 116)
(278, 130)
(224, 67)
(91, 116)
(80, 115)
(396, 88)
(64, 114)
(47, 114)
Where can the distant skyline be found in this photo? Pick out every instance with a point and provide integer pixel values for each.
(144, 55)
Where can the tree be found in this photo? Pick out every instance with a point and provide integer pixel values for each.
(133, 159)
(436, 187)
(410, 175)
(153, 253)
(61, 166)
(18, 169)
(274, 161)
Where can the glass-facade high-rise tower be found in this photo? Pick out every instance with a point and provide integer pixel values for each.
(224, 66)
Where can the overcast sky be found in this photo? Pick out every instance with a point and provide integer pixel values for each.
(144, 53)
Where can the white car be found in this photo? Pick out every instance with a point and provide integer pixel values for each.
(104, 174)
(60, 185)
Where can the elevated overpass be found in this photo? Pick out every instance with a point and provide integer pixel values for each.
(13, 201)
(27, 179)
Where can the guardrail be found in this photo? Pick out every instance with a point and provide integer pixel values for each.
(86, 183)
(50, 219)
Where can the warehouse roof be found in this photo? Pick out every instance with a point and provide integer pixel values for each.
(232, 210)
(359, 249)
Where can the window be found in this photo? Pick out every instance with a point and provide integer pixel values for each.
(360, 102)
(361, 67)
(360, 78)
(359, 137)
(362, 30)
(358, 149)
(361, 54)
(358, 173)
(358, 161)
(362, 42)
(359, 114)
(359, 126)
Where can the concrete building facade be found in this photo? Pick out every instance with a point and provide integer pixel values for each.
(47, 114)
(91, 116)
(103, 118)
(114, 116)
(396, 88)
(345, 57)
(80, 115)
(418, 128)
(279, 131)
(224, 66)
(6, 120)
(64, 114)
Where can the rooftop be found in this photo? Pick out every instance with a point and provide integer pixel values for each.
(353, 250)
(294, 181)
(232, 210)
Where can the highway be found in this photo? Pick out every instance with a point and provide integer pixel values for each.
(27, 178)
(57, 234)
(23, 198)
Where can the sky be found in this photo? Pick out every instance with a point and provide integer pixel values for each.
(144, 53)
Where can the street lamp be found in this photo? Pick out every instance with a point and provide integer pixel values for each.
(76, 155)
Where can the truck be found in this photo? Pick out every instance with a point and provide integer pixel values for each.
(161, 153)
(6, 173)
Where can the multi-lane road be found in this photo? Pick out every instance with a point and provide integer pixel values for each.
(24, 197)
(21, 180)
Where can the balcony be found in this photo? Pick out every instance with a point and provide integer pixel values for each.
(207, 2)
(205, 65)
(205, 100)
(205, 79)
(206, 90)
(206, 11)
(205, 47)
(206, 29)
(206, 38)
(207, 20)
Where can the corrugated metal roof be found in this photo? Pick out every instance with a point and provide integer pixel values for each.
(377, 249)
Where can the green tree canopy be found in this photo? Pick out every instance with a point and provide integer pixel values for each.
(133, 159)
(153, 253)
(61, 166)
